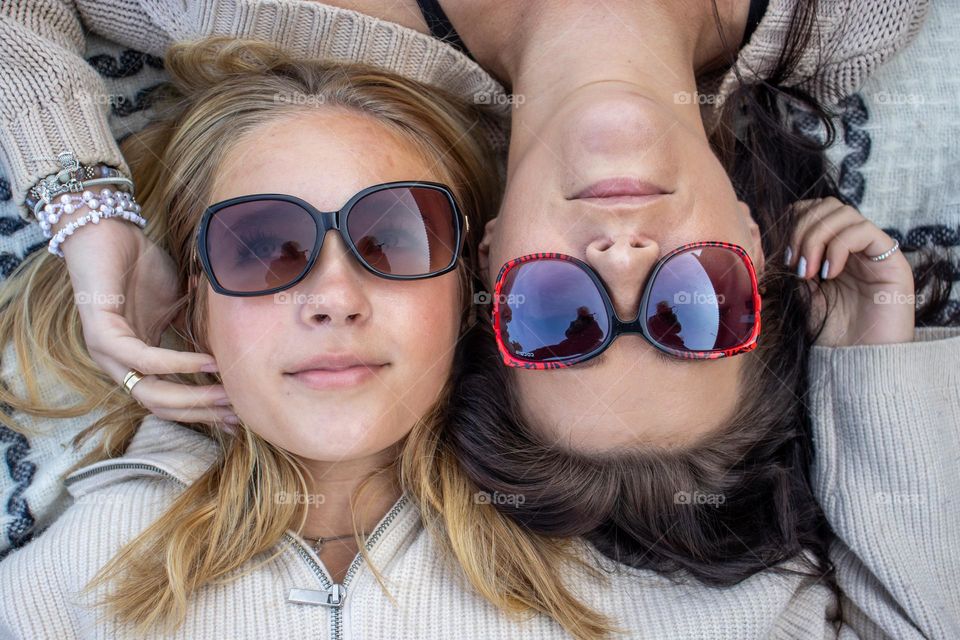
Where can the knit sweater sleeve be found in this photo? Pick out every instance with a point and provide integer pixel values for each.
(849, 40)
(886, 429)
(51, 100)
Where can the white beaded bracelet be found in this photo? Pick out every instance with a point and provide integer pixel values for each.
(94, 216)
(69, 202)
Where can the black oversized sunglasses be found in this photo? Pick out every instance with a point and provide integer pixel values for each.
(261, 244)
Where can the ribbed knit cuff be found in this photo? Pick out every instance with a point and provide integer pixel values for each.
(874, 406)
(35, 138)
(932, 360)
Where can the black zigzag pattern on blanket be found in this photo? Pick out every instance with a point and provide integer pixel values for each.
(130, 62)
(20, 529)
(143, 100)
(853, 116)
(850, 181)
(9, 225)
(940, 236)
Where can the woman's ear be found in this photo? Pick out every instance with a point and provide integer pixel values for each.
(483, 250)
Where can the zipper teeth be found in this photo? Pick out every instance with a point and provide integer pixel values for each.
(373, 537)
(298, 548)
(121, 465)
(355, 565)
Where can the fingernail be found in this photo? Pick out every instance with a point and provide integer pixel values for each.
(788, 256)
(223, 402)
(825, 269)
(232, 419)
(210, 368)
(802, 267)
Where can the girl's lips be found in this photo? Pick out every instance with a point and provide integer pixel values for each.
(324, 379)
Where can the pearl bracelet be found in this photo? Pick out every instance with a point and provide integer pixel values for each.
(70, 202)
(110, 205)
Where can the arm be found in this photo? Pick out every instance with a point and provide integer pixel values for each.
(884, 402)
(886, 428)
(51, 100)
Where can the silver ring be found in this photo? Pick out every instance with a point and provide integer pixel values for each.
(886, 254)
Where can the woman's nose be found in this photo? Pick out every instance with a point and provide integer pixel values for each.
(624, 262)
(334, 292)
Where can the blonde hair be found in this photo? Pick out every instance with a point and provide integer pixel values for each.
(220, 89)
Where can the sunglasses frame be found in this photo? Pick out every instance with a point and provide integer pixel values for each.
(617, 326)
(326, 221)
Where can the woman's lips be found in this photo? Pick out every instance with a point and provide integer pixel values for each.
(324, 379)
(620, 190)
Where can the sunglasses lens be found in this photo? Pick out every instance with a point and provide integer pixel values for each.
(259, 245)
(550, 311)
(405, 231)
(702, 300)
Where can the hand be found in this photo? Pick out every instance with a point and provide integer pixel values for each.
(865, 302)
(125, 287)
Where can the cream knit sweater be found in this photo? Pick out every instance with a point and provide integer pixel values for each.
(887, 435)
(51, 100)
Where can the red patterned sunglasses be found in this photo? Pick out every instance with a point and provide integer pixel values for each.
(701, 301)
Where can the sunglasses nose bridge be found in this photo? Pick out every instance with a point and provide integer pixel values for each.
(326, 221)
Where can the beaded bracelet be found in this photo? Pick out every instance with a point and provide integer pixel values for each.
(110, 205)
(69, 203)
(73, 177)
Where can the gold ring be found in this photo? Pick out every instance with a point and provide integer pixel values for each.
(131, 379)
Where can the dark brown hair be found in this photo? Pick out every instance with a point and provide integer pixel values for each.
(738, 501)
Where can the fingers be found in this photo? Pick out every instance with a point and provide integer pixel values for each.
(178, 402)
(163, 398)
(137, 354)
(156, 392)
(827, 234)
(860, 237)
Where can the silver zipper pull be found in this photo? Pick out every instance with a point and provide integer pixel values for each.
(332, 597)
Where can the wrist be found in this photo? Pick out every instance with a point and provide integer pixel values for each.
(71, 212)
(77, 210)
